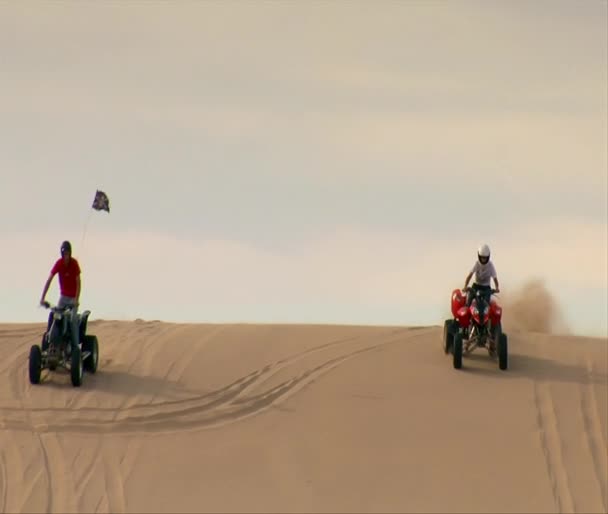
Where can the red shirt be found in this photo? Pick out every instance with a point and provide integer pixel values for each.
(67, 276)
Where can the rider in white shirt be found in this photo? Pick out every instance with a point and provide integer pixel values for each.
(484, 272)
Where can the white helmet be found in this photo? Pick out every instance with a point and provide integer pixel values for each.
(483, 254)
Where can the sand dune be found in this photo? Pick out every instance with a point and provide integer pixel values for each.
(270, 418)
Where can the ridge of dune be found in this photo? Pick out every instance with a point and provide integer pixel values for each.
(291, 418)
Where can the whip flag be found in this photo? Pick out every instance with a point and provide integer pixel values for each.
(101, 201)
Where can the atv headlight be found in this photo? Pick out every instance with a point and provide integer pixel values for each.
(57, 315)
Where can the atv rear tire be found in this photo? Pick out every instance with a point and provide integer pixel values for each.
(90, 344)
(497, 331)
(497, 334)
(457, 350)
(503, 352)
(76, 367)
(448, 335)
(35, 364)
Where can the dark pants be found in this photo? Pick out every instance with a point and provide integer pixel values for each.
(487, 290)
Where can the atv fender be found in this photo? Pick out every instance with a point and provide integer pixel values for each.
(84, 318)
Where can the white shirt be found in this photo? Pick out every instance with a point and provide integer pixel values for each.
(484, 273)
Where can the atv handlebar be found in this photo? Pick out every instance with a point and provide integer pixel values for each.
(55, 308)
(491, 291)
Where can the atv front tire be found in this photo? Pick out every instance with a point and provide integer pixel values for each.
(448, 335)
(457, 350)
(91, 345)
(76, 367)
(503, 352)
(35, 364)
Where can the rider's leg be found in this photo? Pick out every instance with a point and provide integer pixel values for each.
(487, 290)
(471, 293)
(65, 301)
(50, 322)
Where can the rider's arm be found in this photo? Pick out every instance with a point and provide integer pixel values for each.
(78, 289)
(495, 277)
(46, 287)
(468, 279)
(53, 272)
(471, 273)
(77, 272)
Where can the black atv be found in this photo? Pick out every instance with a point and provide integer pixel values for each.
(57, 351)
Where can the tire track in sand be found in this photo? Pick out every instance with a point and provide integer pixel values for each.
(593, 432)
(142, 355)
(116, 473)
(18, 374)
(231, 403)
(50, 503)
(61, 482)
(24, 474)
(551, 447)
(113, 498)
(3, 482)
(122, 468)
(114, 481)
(179, 365)
(12, 341)
(52, 457)
(224, 394)
(240, 408)
(17, 378)
(18, 359)
(81, 483)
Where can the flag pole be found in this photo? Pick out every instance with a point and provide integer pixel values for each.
(84, 230)
(100, 202)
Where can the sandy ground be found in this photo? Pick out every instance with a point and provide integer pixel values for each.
(270, 418)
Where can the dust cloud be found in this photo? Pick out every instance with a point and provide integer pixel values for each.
(532, 308)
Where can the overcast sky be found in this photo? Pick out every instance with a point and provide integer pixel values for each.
(303, 161)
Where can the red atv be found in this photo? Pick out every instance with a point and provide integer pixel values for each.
(475, 326)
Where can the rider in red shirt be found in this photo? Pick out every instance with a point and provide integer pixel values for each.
(68, 270)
